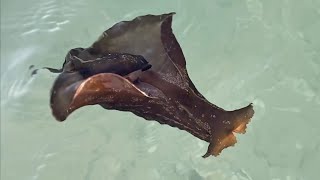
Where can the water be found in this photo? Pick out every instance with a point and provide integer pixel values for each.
(261, 51)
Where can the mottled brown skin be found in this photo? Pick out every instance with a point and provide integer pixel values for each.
(163, 93)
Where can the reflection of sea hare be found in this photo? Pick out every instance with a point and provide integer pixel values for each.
(138, 66)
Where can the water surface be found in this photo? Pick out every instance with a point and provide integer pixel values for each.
(261, 51)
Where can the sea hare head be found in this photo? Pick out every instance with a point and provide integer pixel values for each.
(127, 49)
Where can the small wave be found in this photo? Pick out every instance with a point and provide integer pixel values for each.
(39, 17)
(14, 83)
(54, 29)
(30, 32)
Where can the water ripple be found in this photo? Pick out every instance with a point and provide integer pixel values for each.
(14, 83)
(46, 16)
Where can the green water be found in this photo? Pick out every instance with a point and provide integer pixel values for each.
(238, 51)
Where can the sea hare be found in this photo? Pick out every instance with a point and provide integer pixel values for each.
(138, 66)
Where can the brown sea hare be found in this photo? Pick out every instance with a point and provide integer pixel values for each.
(138, 66)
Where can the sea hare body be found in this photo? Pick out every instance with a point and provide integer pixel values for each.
(138, 66)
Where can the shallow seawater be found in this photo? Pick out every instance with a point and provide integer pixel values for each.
(261, 51)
